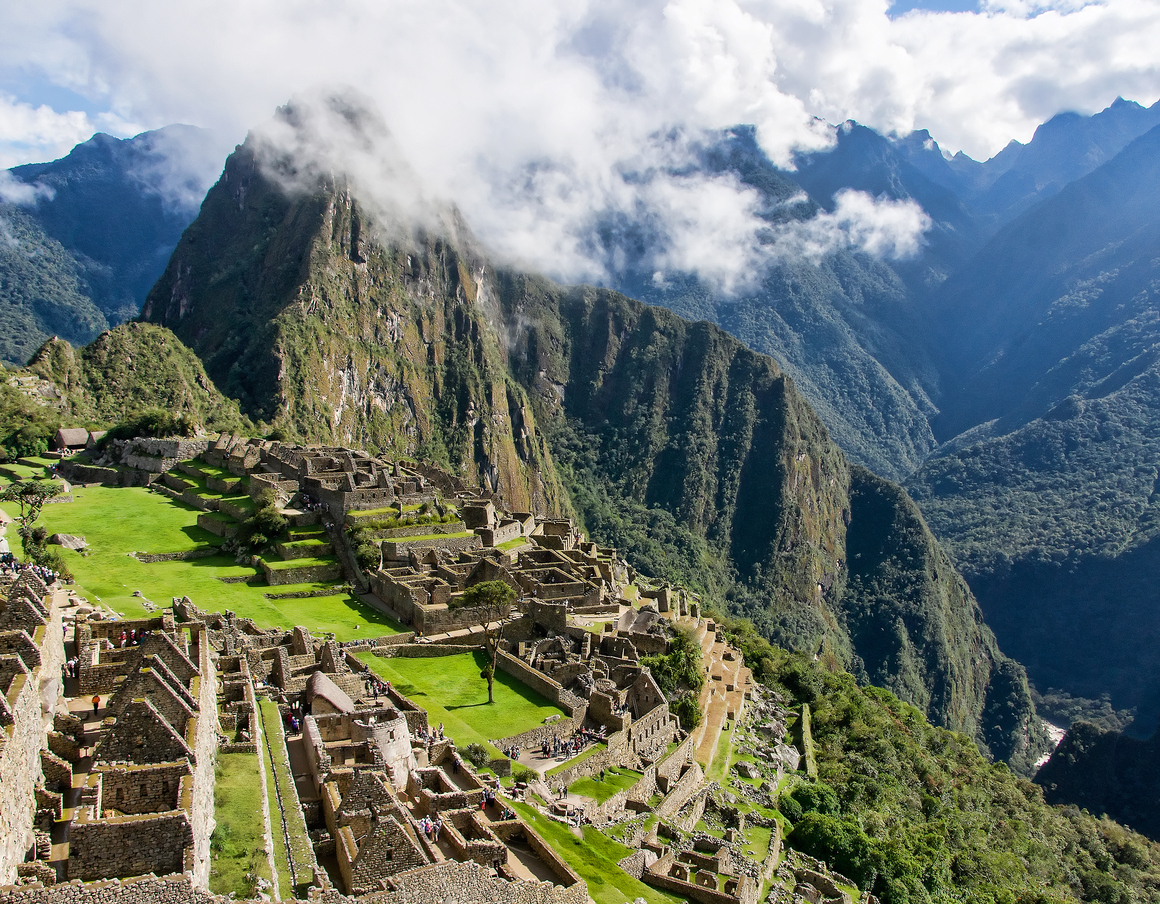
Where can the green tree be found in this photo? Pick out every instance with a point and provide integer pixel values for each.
(493, 594)
(29, 496)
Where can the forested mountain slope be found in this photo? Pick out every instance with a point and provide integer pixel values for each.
(92, 232)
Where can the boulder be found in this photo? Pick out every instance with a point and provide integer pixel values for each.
(68, 541)
(747, 770)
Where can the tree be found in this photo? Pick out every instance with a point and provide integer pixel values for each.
(492, 594)
(29, 496)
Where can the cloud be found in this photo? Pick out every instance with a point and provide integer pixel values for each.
(30, 133)
(530, 114)
(877, 226)
(13, 191)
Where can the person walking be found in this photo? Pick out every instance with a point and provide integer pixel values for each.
(96, 703)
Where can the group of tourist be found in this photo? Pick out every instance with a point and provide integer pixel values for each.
(11, 567)
(513, 752)
(431, 735)
(313, 505)
(569, 747)
(431, 827)
(133, 638)
(376, 686)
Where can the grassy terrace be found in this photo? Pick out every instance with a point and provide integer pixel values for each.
(119, 520)
(594, 857)
(277, 564)
(238, 843)
(452, 692)
(421, 536)
(615, 781)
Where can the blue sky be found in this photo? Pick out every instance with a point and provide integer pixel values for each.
(953, 6)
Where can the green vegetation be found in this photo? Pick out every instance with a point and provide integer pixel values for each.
(594, 857)
(118, 520)
(915, 813)
(680, 671)
(238, 844)
(27, 498)
(490, 594)
(452, 692)
(103, 384)
(615, 781)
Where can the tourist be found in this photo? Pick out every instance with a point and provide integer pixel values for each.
(436, 827)
(96, 703)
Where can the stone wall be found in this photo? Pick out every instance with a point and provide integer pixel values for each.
(309, 574)
(400, 550)
(128, 845)
(453, 881)
(30, 694)
(19, 773)
(422, 650)
(140, 890)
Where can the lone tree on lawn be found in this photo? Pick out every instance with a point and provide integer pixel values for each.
(30, 497)
(493, 594)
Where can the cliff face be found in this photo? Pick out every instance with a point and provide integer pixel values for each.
(692, 454)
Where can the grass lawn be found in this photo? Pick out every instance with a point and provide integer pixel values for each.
(286, 564)
(238, 845)
(120, 520)
(452, 692)
(615, 781)
(594, 858)
(757, 838)
(513, 544)
(422, 536)
(715, 771)
(576, 760)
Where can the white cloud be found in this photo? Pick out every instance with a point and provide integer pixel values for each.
(528, 113)
(30, 133)
(878, 226)
(13, 191)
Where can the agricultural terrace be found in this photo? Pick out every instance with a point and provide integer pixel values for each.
(451, 690)
(117, 521)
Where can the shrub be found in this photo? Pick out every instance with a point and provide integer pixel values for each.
(687, 708)
(525, 775)
(477, 755)
(369, 555)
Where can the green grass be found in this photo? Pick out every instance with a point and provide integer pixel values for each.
(306, 543)
(575, 761)
(758, 838)
(594, 858)
(417, 537)
(512, 544)
(614, 782)
(452, 692)
(238, 845)
(119, 520)
(287, 564)
(717, 767)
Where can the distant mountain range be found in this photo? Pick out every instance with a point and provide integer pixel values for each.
(91, 233)
(1007, 374)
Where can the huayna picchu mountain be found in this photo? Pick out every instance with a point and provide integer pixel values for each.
(669, 439)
